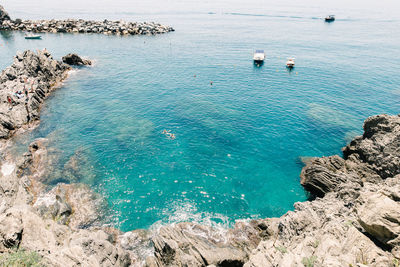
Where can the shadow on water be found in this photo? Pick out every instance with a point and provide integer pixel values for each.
(290, 70)
(7, 35)
(258, 64)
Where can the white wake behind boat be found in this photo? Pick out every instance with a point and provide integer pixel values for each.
(259, 56)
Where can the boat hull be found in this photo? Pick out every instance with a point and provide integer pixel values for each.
(33, 37)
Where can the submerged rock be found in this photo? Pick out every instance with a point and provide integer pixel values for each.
(74, 59)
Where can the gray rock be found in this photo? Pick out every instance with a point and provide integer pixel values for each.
(323, 175)
(187, 244)
(3, 14)
(74, 59)
(379, 146)
(23, 87)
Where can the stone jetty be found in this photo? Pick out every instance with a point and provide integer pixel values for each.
(81, 26)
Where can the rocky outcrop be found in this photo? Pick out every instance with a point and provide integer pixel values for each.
(57, 224)
(3, 15)
(190, 244)
(368, 158)
(26, 83)
(74, 59)
(23, 87)
(82, 26)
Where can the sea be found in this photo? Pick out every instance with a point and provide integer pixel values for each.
(241, 131)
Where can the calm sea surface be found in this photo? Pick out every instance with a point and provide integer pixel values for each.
(238, 141)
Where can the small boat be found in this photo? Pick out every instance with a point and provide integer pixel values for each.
(259, 56)
(33, 36)
(290, 62)
(330, 18)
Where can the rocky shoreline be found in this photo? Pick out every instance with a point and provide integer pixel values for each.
(81, 26)
(23, 87)
(354, 220)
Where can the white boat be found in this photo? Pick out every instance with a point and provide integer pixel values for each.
(330, 18)
(32, 36)
(259, 56)
(290, 62)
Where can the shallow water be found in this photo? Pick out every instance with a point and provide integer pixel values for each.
(238, 141)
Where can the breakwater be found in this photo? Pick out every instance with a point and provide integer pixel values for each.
(81, 26)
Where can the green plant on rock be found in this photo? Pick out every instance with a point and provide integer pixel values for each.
(396, 263)
(20, 258)
(348, 223)
(309, 261)
(316, 244)
(281, 249)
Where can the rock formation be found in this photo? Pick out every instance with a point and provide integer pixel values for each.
(74, 59)
(82, 26)
(3, 14)
(23, 87)
(26, 83)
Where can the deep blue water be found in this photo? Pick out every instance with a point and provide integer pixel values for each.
(238, 141)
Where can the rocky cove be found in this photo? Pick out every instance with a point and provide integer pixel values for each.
(81, 26)
(353, 221)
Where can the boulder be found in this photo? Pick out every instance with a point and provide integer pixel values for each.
(74, 59)
(188, 244)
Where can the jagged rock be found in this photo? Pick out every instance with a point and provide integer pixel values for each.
(368, 158)
(74, 59)
(378, 213)
(10, 230)
(23, 87)
(54, 207)
(379, 146)
(3, 14)
(188, 244)
(59, 244)
(323, 175)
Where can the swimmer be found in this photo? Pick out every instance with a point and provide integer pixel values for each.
(211, 82)
(164, 132)
(172, 136)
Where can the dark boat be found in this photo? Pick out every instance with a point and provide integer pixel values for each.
(330, 18)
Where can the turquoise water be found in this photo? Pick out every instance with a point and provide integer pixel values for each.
(238, 141)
